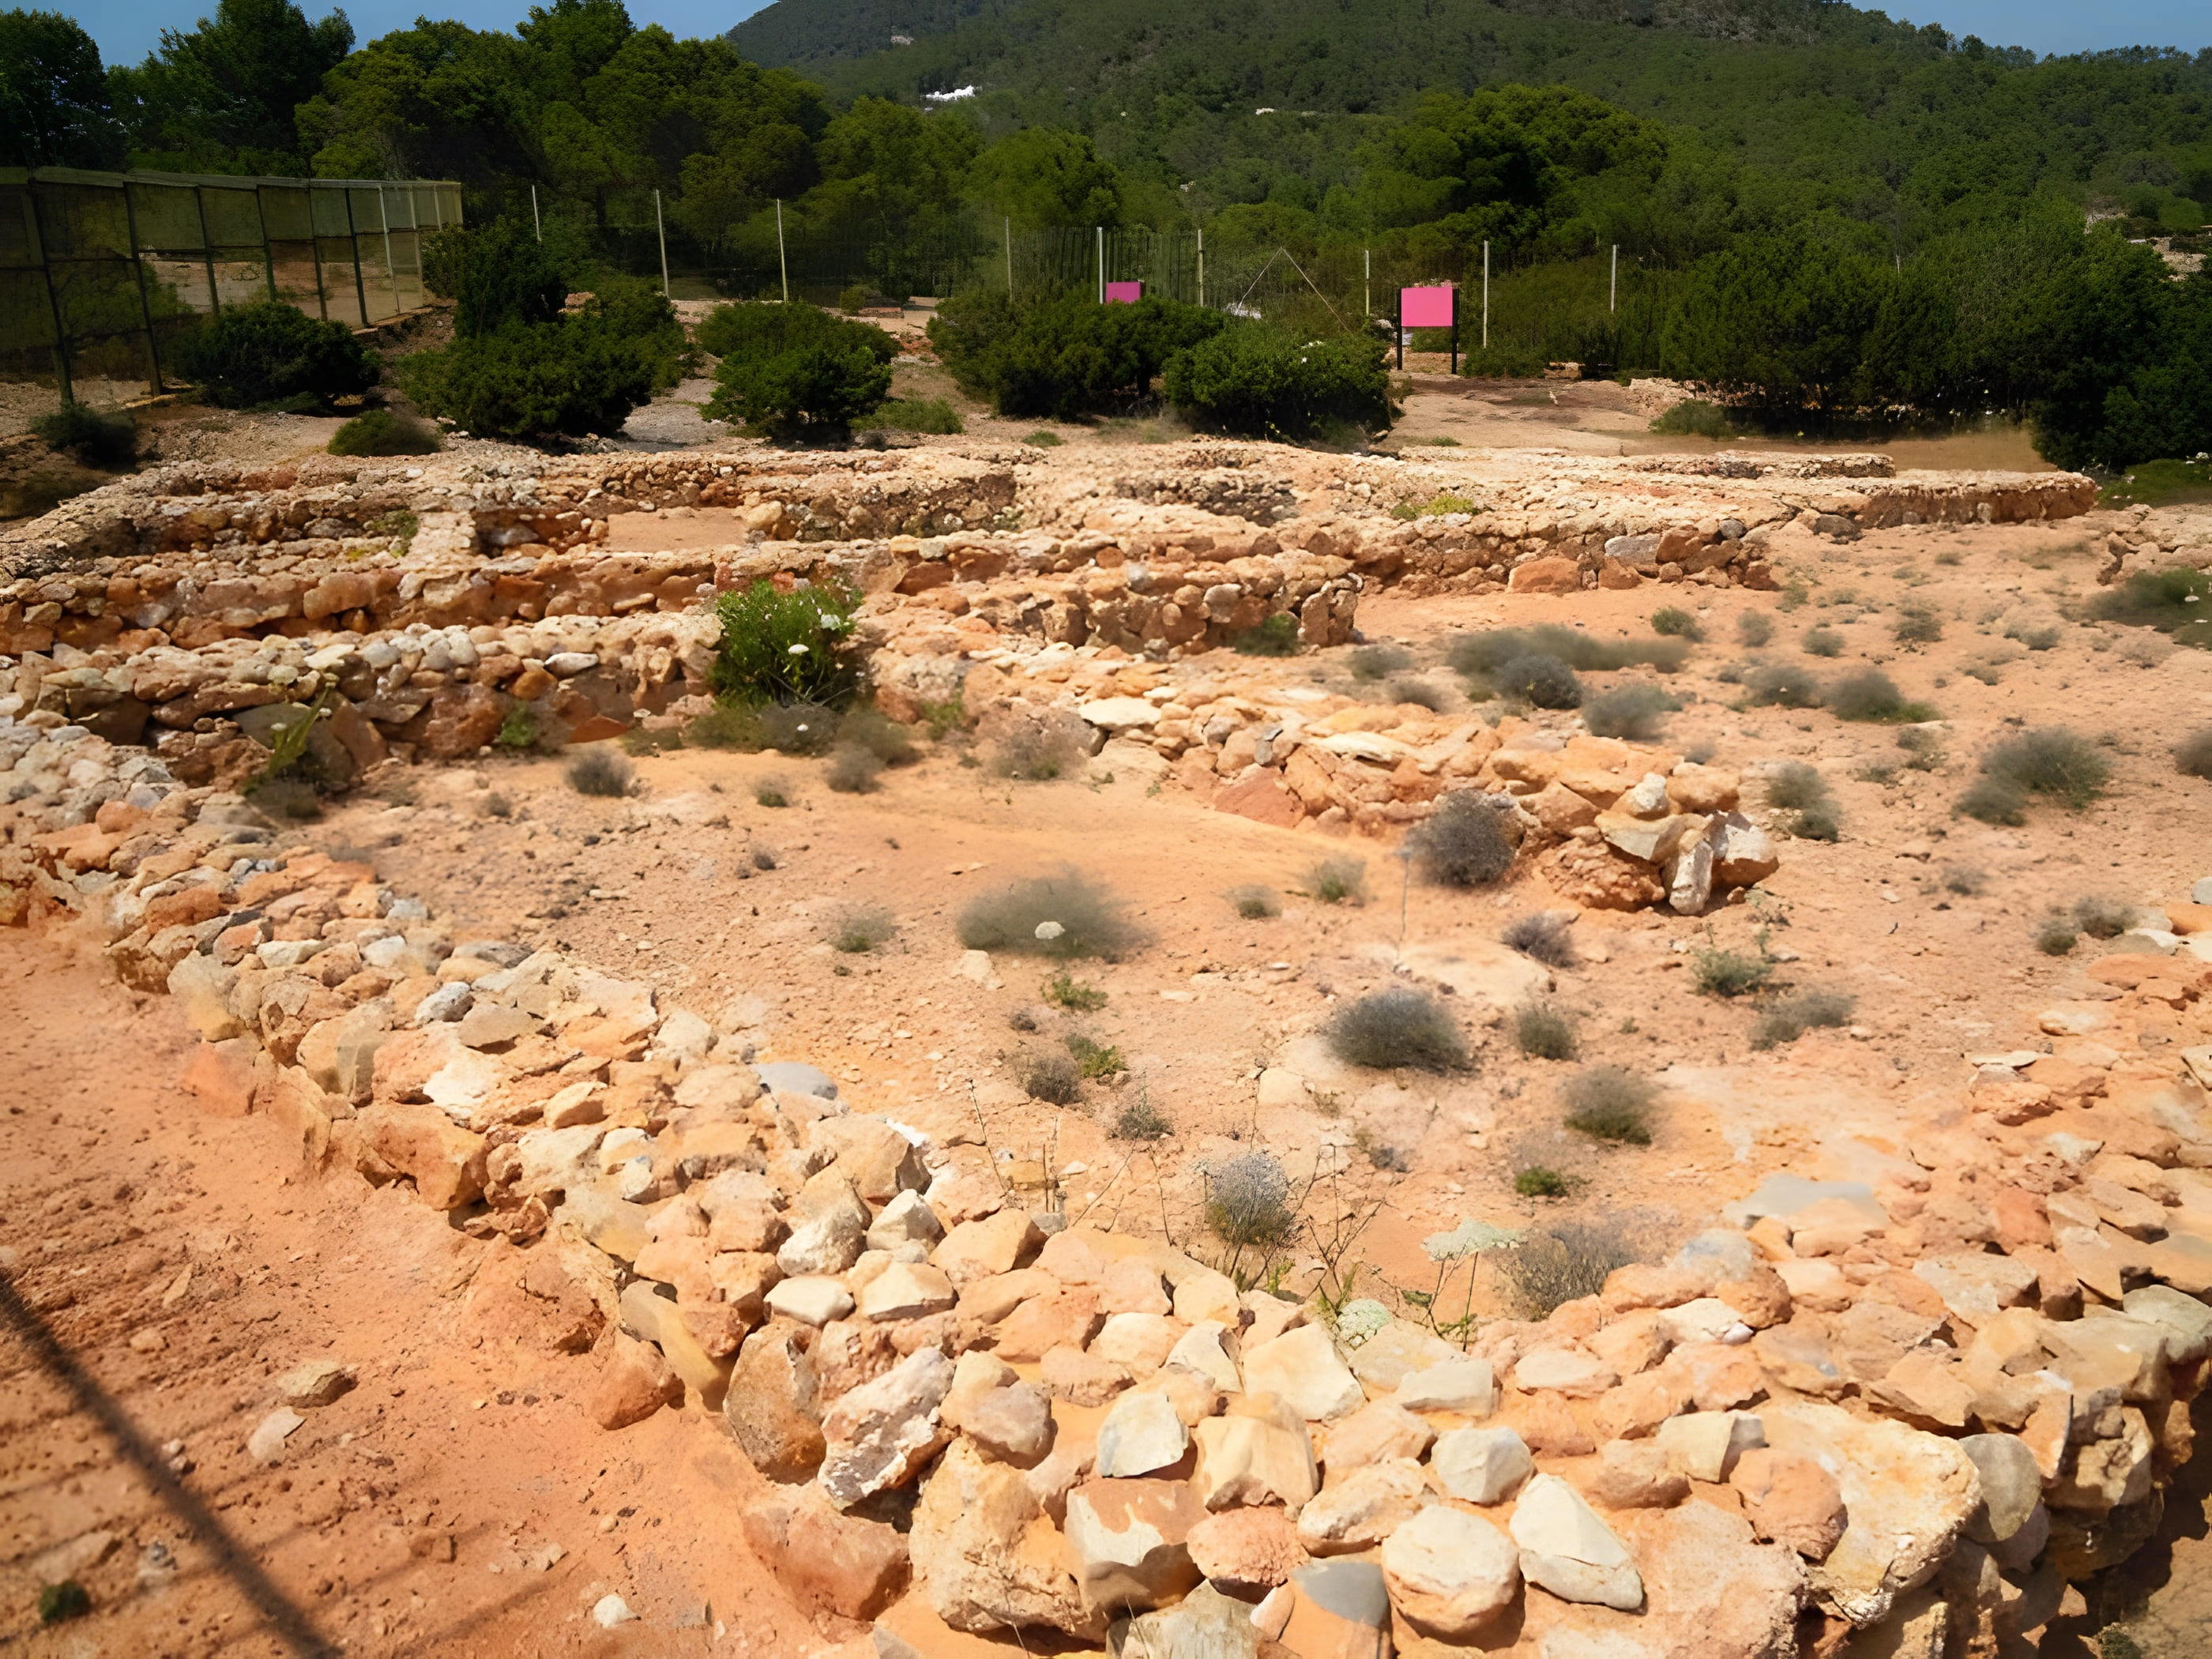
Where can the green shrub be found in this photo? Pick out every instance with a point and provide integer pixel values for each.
(1994, 800)
(96, 439)
(1540, 1181)
(1607, 1103)
(772, 791)
(1718, 973)
(1338, 881)
(1924, 746)
(852, 298)
(1370, 663)
(853, 770)
(1790, 1017)
(1256, 903)
(1063, 356)
(913, 415)
(1093, 1059)
(2055, 936)
(1278, 636)
(1248, 1201)
(505, 276)
(1871, 695)
(1540, 681)
(1046, 438)
(794, 728)
(2036, 636)
(1820, 823)
(860, 928)
(381, 432)
(798, 373)
(520, 730)
(1542, 1031)
(601, 771)
(1544, 937)
(1965, 879)
(1562, 1264)
(1062, 915)
(264, 353)
(788, 647)
(1823, 641)
(881, 735)
(1628, 711)
(59, 1603)
(1754, 627)
(1254, 381)
(2192, 755)
(1782, 686)
(444, 256)
(1398, 1027)
(1064, 990)
(2052, 761)
(1693, 417)
(572, 378)
(635, 311)
(1463, 843)
(1674, 622)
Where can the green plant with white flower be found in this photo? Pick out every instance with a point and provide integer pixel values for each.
(1464, 1245)
(795, 646)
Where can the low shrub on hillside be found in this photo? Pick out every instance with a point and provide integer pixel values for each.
(1782, 686)
(1871, 695)
(860, 928)
(790, 647)
(1634, 712)
(1379, 662)
(599, 770)
(794, 371)
(1542, 1031)
(91, 437)
(1674, 622)
(1463, 843)
(913, 415)
(2052, 761)
(1607, 1102)
(1546, 936)
(1542, 682)
(2192, 755)
(1338, 881)
(1754, 627)
(1062, 915)
(1248, 1201)
(1562, 1264)
(1693, 417)
(1398, 1027)
(1790, 1017)
(381, 432)
(573, 377)
(2177, 601)
(1482, 654)
(1066, 355)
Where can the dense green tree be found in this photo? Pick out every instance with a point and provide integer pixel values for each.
(1041, 176)
(223, 96)
(53, 96)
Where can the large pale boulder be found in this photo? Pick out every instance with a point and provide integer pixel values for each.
(987, 1555)
(1449, 1573)
(1566, 1549)
(1482, 1466)
(879, 1434)
(1302, 1369)
(1131, 1540)
(1364, 1508)
(1141, 1433)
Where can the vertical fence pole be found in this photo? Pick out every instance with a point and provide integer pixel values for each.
(1009, 228)
(1486, 296)
(1102, 265)
(353, 241)
(207, 250)
(62, 379)
(145, 311)
(536, 226)
(1613, 288)
(782, 265)
(660, 233)
(391, 269)
(268, 253)
(1366, 282)
(1201, 264)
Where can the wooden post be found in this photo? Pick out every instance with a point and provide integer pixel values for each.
(145, 311)
(207, 250)
(1201, 264)
(1398, 317)
(1612, 287)
(68, 387)
(782, 264)
(536, 228)
(1455, 329)
(1486, 296)
(661, 233)
(1102, 265)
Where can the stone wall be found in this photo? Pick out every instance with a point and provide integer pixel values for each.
(1912, 1406)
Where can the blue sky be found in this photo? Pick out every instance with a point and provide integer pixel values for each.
(128, 29)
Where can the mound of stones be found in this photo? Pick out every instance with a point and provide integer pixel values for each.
(1914, 1399)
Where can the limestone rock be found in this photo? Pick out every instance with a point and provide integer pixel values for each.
(1383, 1429)
(1206, 1348)
(1302, 1369)
(634, 1383)
(1336, 1610)
(1246, 1550)
(1141, 1433)
(1704, 1445)
(879, 1434)
(1566, 1549)
(1249, 1460)
(1203, 1624)
(906, 1291)
(1464, 1385)
(770, 1407)
(1362, 1509)
(1790, 1499)
(1636, 1474)
(989, 1558)
(1129, 1538)
(2012, 1485)
(1450, 1573)
(849, 1565)
(1482, 1466)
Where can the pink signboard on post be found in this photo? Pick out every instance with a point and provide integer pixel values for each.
(1124, 294)
(1425, 307)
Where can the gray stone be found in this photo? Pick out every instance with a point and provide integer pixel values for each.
(792, 1077)
(2185, 1322)
(1785, 1195)
(1466, 1385)
(828, 1241)
(1302, 1369)
(447, 1002)
(1203, 1624)
(1364, 1508)
(810, 1299)
(266, 1443)
(2012, 1485)
(1482, 1466)
(314, 1383)
(906, 1219)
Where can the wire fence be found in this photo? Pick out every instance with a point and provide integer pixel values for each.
(100, 272)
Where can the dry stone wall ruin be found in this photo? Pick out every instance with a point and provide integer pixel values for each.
(1905, 1411)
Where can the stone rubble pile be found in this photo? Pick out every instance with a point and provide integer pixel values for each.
(1916, 1402)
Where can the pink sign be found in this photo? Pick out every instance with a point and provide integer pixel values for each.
(1124, 294)
(1425, 307)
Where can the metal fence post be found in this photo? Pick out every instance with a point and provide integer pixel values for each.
(1486, 296)
(391, 269)
(353, 240)
(207, 250)
(67, 384)
(1102, 265)
(660, 233)
(138, 276)
(782, 264)
(269, 253)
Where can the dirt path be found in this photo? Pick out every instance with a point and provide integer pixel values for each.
(161, 1272)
